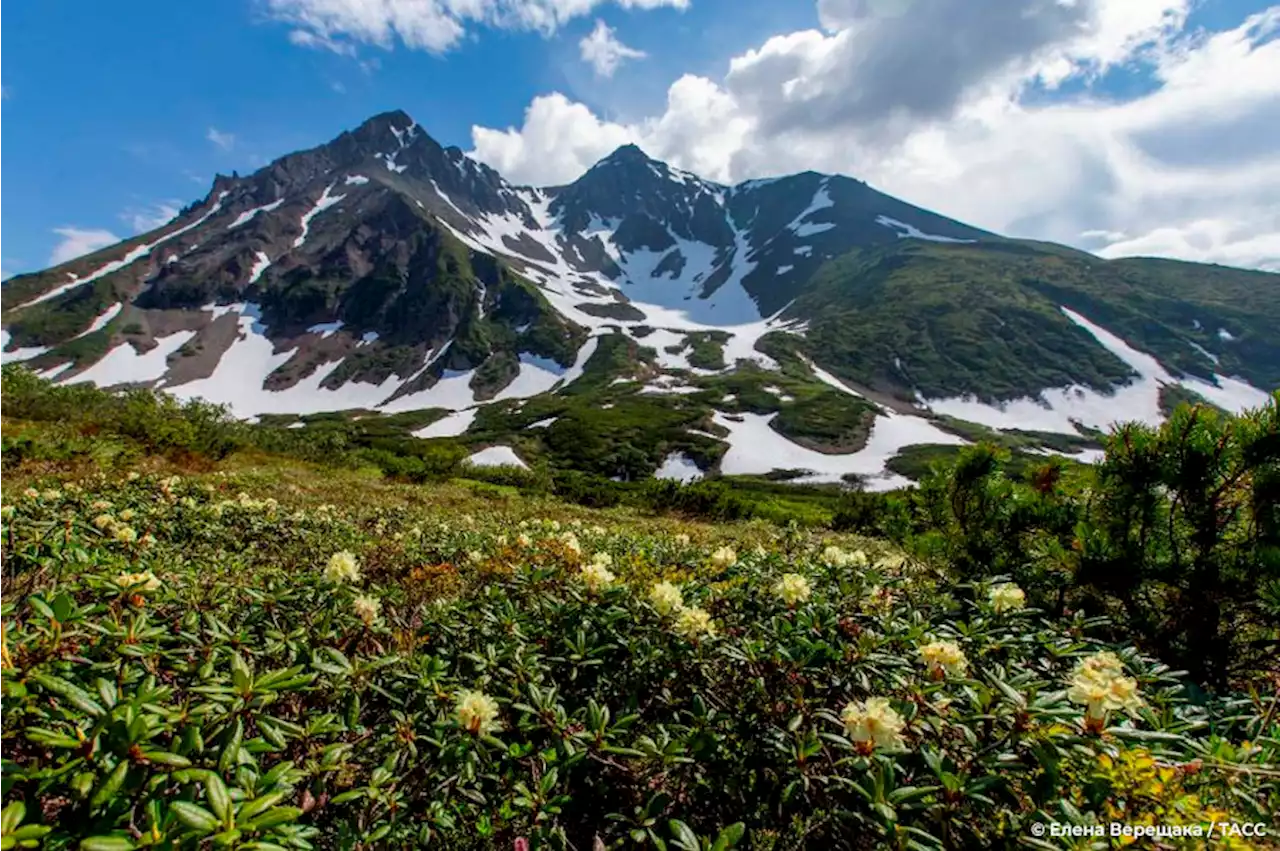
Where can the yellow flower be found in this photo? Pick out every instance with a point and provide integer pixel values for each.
(874, 723)
(51, 495)
(724, 557)
(837, 557)
(125, 534)
(524, 540)
(570, 541)
(1007, 598)
(100, 505)
(792, 588)
(602, 559)
(133, 476)
(139, 583)
(127, 515)
(1098, 683)
(475, 556)
(694, 622)
(682, 540)
(477, 713)
(596, 576)
(665, 598)
(367, 609)
(104, 521)
(6, 511)
(342, 567)
(944, 657)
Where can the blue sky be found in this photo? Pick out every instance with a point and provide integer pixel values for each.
(115, 110)
(108, 106)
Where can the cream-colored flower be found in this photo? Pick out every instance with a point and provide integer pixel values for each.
(596, 576)
(100, 505)
(570, 541)
(368, 609)
(1006, 597)
(602, 559)
(139, 583)
(666, 598)
(475, 557)
(1100, 685)
(6, 512)
(891, 563)
(944, 657)
(792, 588)
(599, 531)
(477, 713)
(133, 476)
(694, 623)
(682, 540)
(524, 540)
(31, 493)
(125, 534)
(51, 495)
(104, 521)
(342, 567)
(724, 557)
(836, 557)
(127, 515)
(874, 723)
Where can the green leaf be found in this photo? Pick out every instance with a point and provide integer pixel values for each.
(73, 694)
(194, 816)
(273, 817)
(729, 837)
(685, 837)
(231, 751)
(110, 786)
(215, 791)
(107, 843)
(172, 760)
(12, 816)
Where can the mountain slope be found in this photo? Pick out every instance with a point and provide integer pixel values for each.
(806, 322)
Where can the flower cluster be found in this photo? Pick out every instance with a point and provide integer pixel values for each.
(792, 588)
(342, 569)
(944, 658)
(1006, 598)
(596, 574)
(873, 723)
(1098, 682)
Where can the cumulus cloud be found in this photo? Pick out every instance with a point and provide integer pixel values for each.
(226, 141)
(604, 52)
(432, 25)
(994, 117)
(144, 219)
(76, 242)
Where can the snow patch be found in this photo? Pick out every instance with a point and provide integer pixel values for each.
(355, 180)
(450, 426)
(324, 202)
(496, 456)
(326, 329)
(910, 231)
(536, 375)
(101, 320)
(678, 467)
(244, 217)
(126, 365)
(1224, 334)
(260, 264)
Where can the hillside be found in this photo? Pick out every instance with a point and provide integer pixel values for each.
(804, 325)
(209, 644)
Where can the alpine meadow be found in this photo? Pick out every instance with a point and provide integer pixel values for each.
(616, 484)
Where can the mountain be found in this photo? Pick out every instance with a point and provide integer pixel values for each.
(639, 319)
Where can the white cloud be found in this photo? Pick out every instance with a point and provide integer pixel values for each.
(432, 25)
(226, 141)
(604, 52)
(76, 242)
(968, 123)
(142, 220)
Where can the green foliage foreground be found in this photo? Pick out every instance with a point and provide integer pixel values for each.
(218, 661)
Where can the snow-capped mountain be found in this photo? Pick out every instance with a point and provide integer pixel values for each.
(384, 271)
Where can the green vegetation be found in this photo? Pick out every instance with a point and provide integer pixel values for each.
(985, 319)
(208, 646)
